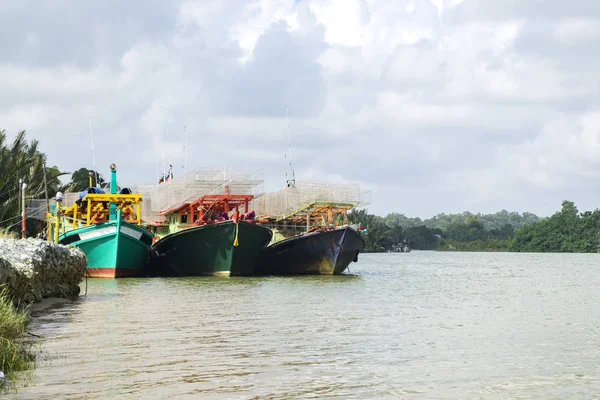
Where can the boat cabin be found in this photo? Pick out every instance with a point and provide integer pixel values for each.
(316, 215)
(94, 207)
(207, 209)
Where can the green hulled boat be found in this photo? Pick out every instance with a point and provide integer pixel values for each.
(204, 241)
(209, 249)
(104, 227)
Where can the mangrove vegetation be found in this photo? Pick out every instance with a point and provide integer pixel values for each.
(567, 230)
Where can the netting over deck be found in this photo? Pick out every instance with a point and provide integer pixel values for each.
(200, 182)
(36, 208)
(303, 193)
(194, 184)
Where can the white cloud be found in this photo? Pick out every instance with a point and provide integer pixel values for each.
(578, 29)
(448, 105)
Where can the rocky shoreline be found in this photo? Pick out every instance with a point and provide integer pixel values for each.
(34, 269)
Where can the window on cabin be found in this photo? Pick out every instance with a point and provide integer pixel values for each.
(184, 218)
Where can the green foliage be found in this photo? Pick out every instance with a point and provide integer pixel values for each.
(422, 238)
(13, 356)
(80, 180)
(378, 236)
(489, 221)
(395, 219)
(22, 160)
(464, 231)
(476, 245)
(567, 231)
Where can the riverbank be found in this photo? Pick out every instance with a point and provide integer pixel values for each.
(13, 356)
(31, 270)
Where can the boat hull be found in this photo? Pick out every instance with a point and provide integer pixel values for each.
(317, 253)
(112, 249)
(208, 250)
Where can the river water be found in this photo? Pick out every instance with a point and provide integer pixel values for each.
(422, 325)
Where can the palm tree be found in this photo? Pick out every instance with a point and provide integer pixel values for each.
(377, 231)
(22, 160)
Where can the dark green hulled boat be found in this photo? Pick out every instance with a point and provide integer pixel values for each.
(209, 249)
(323, 252)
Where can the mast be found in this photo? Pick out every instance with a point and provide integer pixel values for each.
(292, 179)
(168, 176)
(46, 189)
(186, 143)
(185, 150)
(93, 153)
(157, 171)
(20, 195)
(23, 214)
(113, 190)
(168, 143)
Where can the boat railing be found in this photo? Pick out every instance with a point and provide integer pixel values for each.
(94, 209)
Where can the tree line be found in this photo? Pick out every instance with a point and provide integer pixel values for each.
(565, 231)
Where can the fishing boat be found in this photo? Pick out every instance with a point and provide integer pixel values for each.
(401, 248)
(210, 237)
(106, 227)
(325, 250)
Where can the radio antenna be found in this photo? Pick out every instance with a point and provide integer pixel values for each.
(94, 153)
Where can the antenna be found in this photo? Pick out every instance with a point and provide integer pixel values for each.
(185, 151)
(93, 153)
(292, 179)
(157, 171)
(169, 143)
(186, 143)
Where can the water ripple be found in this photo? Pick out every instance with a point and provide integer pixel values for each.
(410, 326)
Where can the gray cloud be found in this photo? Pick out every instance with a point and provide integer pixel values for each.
(478, 10)
(283, 68)
(495, 105)
(83, 34)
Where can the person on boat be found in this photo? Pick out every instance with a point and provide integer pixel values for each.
(250, 216)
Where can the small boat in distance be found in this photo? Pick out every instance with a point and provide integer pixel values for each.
(209, 236)
(106, 227)
(401, 248)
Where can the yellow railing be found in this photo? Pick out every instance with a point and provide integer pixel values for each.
(97, 208)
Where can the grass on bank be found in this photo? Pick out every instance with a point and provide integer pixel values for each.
(6, 234)
(13, 355)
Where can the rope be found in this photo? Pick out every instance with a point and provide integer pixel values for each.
(6, 220)
(18, 216)
(16, 187)
(237, 230)
(205, 212)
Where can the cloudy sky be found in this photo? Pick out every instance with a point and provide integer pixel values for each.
(432, 105)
